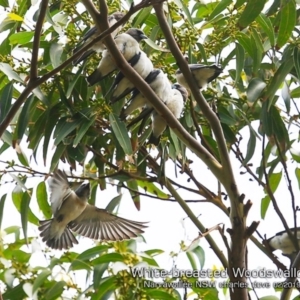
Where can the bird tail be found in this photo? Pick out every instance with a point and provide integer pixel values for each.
(53, 238)
(154, 139)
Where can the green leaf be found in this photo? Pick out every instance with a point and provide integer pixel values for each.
(20, 183)
(22, 157)
(40, 279)
(4, 3)
(175, 142)
(56, 51)
(200, 254)
(156, 47)
(151, 188)
(24, 117)
(278, 78)
(19, 255)
(159, 294)
(296, 58)
(181, 5)
(83, 128)
(239, 3)
(63, 128)
(273, 124)
(274, 180)
(121, 133)
(21, 38)
(297, 173)
(264, 206)
(40, 95)
(9, 72)
(55, 291)
(24, 210)
(92, 252)
(6, 98)
(133, 190)
(240, 60)
(109, 257)
(113, 203)
(99, 270)
(149, 260)
(295, 154)
(191, 258)
(288, 16)
(222, 5)
(250, 147)
(267, 26)
(79, 265)
(246, 43)
(53, 112)
(6, 24)
(252, 10)
(107, 284)
(2, 202)
(56, 156)
(141, 17)
(16, 292)
(285, 93)
(255, 88)
(73, 83)
(42, 200)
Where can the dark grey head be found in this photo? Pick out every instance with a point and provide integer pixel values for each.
(83, 192)
(182, 90)
(137, 34)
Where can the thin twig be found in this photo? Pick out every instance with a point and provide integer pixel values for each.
(290, 188)
(272, 197)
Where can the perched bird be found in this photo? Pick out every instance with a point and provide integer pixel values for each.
(203, 74)
(128, 44)
(159, 83)
(175, 103)
(71, 212)
(281, 241)
(93, 33)
(122, 86)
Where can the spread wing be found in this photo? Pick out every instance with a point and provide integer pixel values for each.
(98, 224)
(59, 189)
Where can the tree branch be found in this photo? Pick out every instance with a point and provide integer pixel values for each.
(36, 40)
(228, 179)
(225, 175)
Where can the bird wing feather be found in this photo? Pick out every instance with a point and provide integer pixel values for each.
(98, 224)
(59, 189)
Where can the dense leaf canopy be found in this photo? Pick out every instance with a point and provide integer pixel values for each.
(49, 115)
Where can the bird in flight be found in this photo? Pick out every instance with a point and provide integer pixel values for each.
(72, 212)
